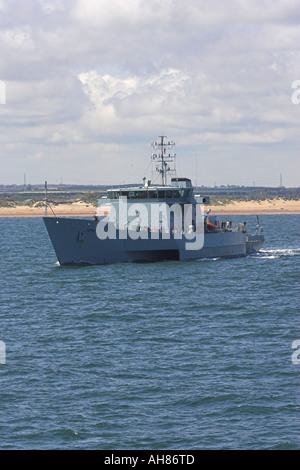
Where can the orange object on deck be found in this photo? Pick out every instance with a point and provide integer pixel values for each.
(210, 225)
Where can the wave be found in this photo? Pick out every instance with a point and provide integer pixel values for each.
(278, 253)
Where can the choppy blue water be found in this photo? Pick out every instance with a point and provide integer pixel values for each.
(149, 356)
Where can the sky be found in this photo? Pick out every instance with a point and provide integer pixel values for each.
(87, 85)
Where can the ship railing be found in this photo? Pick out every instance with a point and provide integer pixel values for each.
(229, 226)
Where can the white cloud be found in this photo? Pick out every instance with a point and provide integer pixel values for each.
(51, 6)
(94, 82)
(18, 38)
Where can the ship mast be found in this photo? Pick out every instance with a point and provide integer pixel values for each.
(161, 158)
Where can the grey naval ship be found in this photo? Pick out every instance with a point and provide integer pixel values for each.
(149, 223)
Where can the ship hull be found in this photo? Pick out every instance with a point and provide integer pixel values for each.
(254, 243)
(75, 241)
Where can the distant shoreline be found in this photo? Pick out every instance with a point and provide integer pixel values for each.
(272, 206)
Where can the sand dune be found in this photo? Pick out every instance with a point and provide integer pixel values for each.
(272, 206)
(75, 209)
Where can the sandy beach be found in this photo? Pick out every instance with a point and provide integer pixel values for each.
(62, 210)
(272, 206)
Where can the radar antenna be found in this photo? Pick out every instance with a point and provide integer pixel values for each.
(162, 159)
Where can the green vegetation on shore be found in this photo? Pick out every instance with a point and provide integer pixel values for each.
(34, 196)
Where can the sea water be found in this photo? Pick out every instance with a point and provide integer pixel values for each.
(170, 355)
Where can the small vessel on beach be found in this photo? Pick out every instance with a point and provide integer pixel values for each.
(150, 223)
